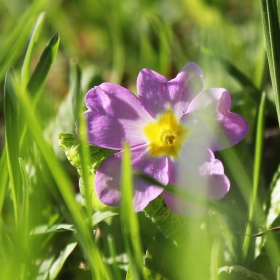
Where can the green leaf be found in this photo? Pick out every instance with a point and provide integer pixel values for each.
(54, 260)
(96, 218)
(101, 216)
(274, 207)
(242, 270)
(60, 260)
(162, 259)
(52, 229)
(169, 224)
(40, 74)
(69, 142)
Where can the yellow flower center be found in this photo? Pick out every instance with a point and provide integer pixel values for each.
(166, 135)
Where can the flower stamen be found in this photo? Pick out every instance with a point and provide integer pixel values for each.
(166, 135)
(167, 138)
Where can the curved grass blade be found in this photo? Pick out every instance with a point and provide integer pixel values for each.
(11, 49)
(31, 46)
(40, 74)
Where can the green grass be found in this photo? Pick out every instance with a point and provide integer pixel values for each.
(51, 54)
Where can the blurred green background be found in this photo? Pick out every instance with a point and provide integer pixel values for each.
(112, 41)
(119, 38)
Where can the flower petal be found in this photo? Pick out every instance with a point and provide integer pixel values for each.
(158, 94)
(107, 180)
(201, 175)
(212, 125)
(115, 115)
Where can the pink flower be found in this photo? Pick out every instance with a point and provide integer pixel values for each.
(172, 128)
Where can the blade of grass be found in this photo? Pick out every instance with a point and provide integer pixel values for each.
(163, 32)
(11, 49)
(118, 54)
(269, 11)
(24, 209)
(27, 60)
(215, 260)
(113, 255)
(3, 177)
(237, 168)
(6, 254)
(11, 137)
(129, 221)
(254, 208)
(75, 87)
(98, 268)
(147, 54)
(83, 137)
(23, 232)
(233, 71)
(40, 74)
